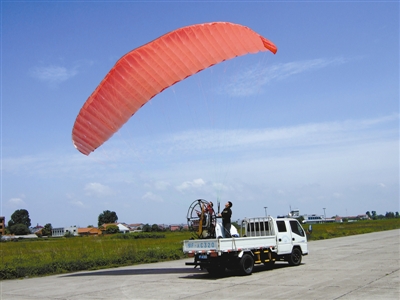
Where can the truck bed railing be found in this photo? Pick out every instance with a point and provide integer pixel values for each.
(259, 226)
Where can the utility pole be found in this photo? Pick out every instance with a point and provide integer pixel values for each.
(324, 213)
(265, 207)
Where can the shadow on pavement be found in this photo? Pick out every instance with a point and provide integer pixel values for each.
(125, 272)
(198, 274)
(187, 272)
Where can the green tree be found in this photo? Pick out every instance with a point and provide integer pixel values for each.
(155, 228)
(47, 230)
(19, 229)
(107, 217)
(111, 229)
(68, 234)
(146, 228)
(20, 216)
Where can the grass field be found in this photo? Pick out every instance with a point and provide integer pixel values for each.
(332, 230)
(39, 257)
(60, 255)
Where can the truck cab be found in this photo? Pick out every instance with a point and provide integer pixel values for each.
(290, 234)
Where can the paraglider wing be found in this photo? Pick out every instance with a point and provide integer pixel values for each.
(146, 71)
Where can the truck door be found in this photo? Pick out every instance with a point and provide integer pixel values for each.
(298, 235)
(284, 237)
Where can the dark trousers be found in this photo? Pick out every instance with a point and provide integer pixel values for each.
(227, 230)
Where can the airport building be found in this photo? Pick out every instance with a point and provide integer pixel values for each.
(2, 225)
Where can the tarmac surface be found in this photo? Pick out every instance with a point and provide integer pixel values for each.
(355, 267)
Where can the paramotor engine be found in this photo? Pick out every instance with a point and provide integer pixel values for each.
(201, 219)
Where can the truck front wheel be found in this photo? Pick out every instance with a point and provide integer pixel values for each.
(246, 264)
(294, 259)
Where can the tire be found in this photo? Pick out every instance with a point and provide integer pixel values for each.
(246, 264)
(294, 259)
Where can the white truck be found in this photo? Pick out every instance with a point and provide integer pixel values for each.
(263, 240)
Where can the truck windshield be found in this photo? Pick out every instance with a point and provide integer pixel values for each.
(296, 228)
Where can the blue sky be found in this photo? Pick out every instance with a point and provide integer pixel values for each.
(314, 126)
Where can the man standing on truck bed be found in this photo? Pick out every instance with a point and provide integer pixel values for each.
(226, 218)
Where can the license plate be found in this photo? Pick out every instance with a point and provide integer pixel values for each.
(203, 256)
(201, 245)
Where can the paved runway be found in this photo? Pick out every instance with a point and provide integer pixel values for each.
(356, 267)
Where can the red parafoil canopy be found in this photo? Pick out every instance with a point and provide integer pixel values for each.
(144, 72)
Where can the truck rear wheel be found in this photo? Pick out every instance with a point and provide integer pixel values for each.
(246, 264)
(294, 259)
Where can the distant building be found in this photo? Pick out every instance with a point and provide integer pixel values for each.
(89, 231)
(57, 231)
(10, 237)
(61, 231)
(162, 227)
(72, 229)
(308, 219)
(37, 229)
(135, 227)
(2, 225)
(174, 227)
(295, 213)
(122, 228)
(355, 218)
(315, 219)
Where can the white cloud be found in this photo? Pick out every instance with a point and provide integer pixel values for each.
(221, 187)
(53, 74)
(310, 135)
(97, 190)
(254, 78)
(22, 163)
(337, 195)
(162, 185)
(204, 147)
(280, 192)
(282, 71)
(17, 202)
(194, 184)
(77, 203)
(149, 196)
